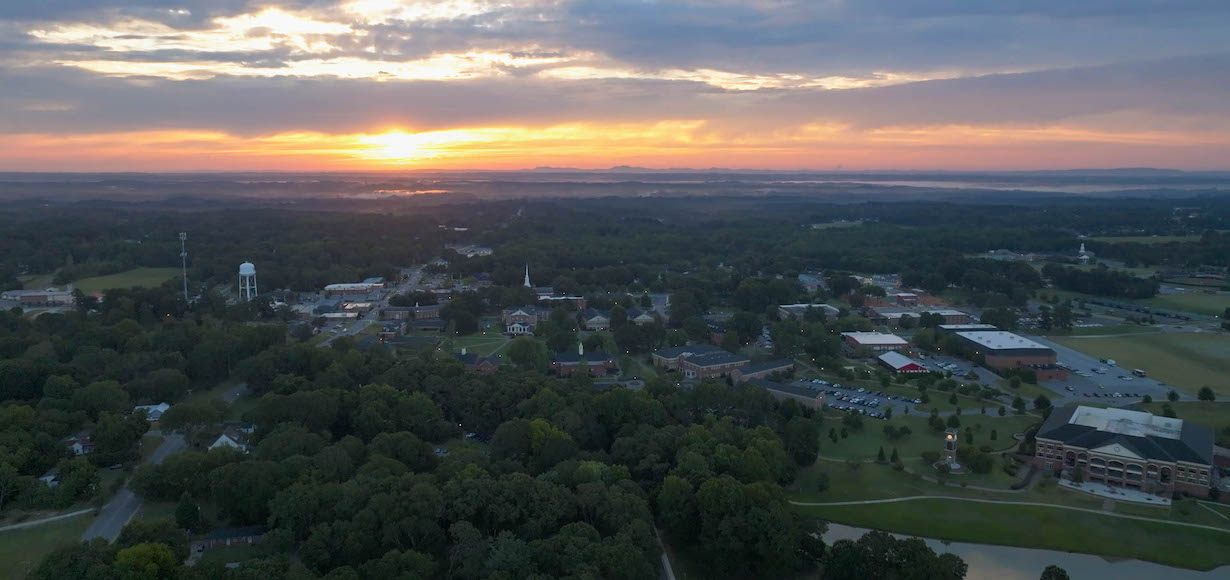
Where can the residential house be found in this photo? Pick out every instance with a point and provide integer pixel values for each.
(153, 412)
(80, 444)
(641, 317)
(233, 436)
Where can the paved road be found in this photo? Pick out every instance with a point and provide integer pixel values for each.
(1002, 502)
(372, 317)
(125, 504)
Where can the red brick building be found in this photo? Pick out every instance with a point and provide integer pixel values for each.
(1131, 449)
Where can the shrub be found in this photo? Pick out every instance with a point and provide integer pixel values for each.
(930, 456)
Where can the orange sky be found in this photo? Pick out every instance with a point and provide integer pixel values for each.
(478, 84)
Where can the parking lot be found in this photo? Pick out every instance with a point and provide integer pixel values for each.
(863, 401)
(1084, 383)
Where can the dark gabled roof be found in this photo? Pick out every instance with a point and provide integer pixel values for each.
(719, 357)
(1194, 445)
(528, 309)
(592, 312)
(573, 358)
(695, 349)
(784, 388)
(767, 366)
(636, 312)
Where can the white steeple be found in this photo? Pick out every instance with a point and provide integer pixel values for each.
(527, 276)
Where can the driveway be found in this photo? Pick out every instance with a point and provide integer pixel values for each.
(125, 504)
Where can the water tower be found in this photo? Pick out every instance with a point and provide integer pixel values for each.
(247, 281)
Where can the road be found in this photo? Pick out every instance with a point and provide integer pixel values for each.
(411, 283)
(125, 504)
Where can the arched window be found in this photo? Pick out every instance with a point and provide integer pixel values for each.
(1069, 459)
(1082, 457)
(1097, 462)
(1165, 477)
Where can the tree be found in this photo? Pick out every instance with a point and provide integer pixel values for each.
(1172, 396)
(1205, 394)
(1054, 572)
(80, 561)
(954, 421)
(802, 440)
(880, 458)
(895, 458)
(879, 555)
(1042, 402)
(160, 531)
(822, 482)
(676, 504)
(147, 561)
(188, 513)
(1019, 404)
(1147, 399)
(10, 482)
(528, 353)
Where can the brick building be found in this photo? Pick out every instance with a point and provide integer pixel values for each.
(599, 363)
(762, 370)
(874, 341)
(811, 398)
(1132, 449)
(523, 319)
(1005, 350)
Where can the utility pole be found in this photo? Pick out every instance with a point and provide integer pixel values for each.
(183, 258)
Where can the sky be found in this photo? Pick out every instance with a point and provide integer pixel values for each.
(187, 85)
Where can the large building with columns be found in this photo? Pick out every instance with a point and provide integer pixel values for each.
(1131, 449)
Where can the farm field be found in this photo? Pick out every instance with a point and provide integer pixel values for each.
(147, 277)
(1185, 360)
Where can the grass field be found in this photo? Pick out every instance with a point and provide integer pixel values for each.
(21, 550)
(1188, 361)
(36, 281)
(1039, 527)
(1146, 239)
(1115, 329)
(1192, 301)
(147, 277)
(1213, 415)
(865, 443)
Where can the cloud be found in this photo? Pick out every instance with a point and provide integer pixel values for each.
(875, 74)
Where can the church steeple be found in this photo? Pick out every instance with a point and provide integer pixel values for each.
(527, 277)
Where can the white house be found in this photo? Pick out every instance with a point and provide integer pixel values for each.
(232, 437)
(153, 412)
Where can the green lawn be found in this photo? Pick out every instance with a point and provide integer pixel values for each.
(1188, 361)
(1039, 527)
(1192, 301)
(480, 344)
(36, 281)
(865, 443)
(156, 510)
(1215, 416)
(1146, 239)
(1115, 329)
(147, 277)
(22, 550)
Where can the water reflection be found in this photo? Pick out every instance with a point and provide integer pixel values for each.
(1007, 563)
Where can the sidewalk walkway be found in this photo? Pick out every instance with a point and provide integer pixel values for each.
(33, 523)
(1001, 502)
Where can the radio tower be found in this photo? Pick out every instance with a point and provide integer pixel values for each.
(183, 258)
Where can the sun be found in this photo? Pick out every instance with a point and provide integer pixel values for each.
(396, 146)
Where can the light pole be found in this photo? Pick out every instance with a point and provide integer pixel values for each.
(183, 258)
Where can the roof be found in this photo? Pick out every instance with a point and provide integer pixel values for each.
(528, 310)
(35, 292)
(897, 360)
(591, 313)
(784, 388)
(375, 280)
(767, 366)
(960, 327)
(634, 313)
(875, 338)
(719, 357)
(1145, 434)
(1001, 340)
(572, 358)
(800, 309)
(687, 349)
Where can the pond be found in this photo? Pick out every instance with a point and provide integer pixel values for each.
(1009, 563)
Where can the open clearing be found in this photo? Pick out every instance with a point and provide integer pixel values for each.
(21, 550)
(147, 277)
